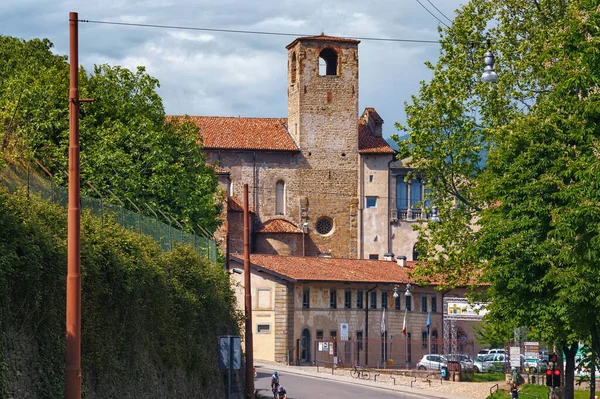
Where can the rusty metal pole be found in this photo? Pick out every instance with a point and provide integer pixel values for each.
(73, 365)
(248, 302)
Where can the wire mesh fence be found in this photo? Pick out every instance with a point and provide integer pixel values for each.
(167, 235)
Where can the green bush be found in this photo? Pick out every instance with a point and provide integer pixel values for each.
(150, 319)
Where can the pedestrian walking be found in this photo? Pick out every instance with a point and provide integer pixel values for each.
(514, 391)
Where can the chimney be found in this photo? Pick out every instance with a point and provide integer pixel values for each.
(388, 256)
(401, 260)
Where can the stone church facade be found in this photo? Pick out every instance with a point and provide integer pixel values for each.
(323, 181)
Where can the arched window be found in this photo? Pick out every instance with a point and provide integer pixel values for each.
(415, 252)
(293, 68)
(280, 198)
(329, 57)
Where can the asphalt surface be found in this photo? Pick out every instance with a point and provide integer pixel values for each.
(306, 387)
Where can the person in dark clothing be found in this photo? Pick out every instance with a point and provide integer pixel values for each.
(514, 391)
(281, 393)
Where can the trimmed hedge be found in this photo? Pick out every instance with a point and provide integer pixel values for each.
(150, 319)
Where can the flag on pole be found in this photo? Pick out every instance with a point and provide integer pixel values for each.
(404, 323)
(383, 321)
(428, 322)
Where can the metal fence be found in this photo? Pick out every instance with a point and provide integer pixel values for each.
(167, 235)
(387, 351)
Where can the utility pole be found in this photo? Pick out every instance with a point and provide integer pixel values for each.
(73, 339)
(73, 366)
(248, 302)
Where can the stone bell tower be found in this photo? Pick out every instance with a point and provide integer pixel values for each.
(323, 93)
(323, 121)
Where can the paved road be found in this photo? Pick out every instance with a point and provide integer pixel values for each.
(304, 387)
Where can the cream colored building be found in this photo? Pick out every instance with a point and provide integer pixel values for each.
(326, 310)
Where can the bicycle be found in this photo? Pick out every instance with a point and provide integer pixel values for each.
(359, 373)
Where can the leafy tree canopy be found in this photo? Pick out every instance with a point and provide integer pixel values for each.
(526, 221)
(127, 146)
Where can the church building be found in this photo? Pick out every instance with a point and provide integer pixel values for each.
(323, 181)
(331, 222)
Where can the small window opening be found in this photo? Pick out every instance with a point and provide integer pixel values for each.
(280, 198)
(328, 60)
(293, 68)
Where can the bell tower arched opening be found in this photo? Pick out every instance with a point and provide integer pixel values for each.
(328, 62)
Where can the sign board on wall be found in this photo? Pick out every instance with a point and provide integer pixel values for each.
(331, 348)
(320, 346)
(344, 331)
(464, 309)
(515, 356)
(325, 346)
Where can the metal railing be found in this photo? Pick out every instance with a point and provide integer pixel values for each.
(15, 177)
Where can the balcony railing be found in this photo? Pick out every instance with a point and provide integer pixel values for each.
(408, 215)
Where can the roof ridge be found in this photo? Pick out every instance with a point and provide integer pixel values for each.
(230, 117)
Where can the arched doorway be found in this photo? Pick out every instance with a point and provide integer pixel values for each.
(305, 346)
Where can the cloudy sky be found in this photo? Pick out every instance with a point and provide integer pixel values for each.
(225, 74)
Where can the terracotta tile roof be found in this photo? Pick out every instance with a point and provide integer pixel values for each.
(219, 132)
(278, 226)
(367, 143)
(234, 205)
(298, 268)
(322, 37)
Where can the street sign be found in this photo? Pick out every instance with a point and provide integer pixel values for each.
(344, 331)
(230, 350)
(532, 350)
(515, 356)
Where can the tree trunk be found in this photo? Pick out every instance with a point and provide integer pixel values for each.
(595, 351)
(568, 382)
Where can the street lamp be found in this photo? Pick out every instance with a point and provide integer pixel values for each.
(489, 76)
(407, 294)
(435, 217)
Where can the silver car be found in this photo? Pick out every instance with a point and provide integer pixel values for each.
(491, 362)
(431, 362)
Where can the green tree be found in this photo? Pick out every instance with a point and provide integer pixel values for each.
(525, 221)
(127, 145)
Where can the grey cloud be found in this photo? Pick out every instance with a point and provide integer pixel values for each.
(206, 73)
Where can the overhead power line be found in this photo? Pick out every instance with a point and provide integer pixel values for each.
(438, 10)
(251, 32)
(432, 14)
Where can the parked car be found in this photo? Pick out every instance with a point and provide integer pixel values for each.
(489, 363)
(535, 365)
(466, 363)
(431, 362)
(482, 353)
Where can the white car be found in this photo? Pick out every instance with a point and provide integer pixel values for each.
(431, 362)
(465, 361)
(491, 362)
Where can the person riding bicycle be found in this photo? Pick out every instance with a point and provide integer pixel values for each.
(275, 382)
(281, 393)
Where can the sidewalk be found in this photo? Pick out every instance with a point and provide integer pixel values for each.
(446, 389)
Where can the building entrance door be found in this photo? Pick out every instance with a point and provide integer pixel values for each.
(305, 346)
